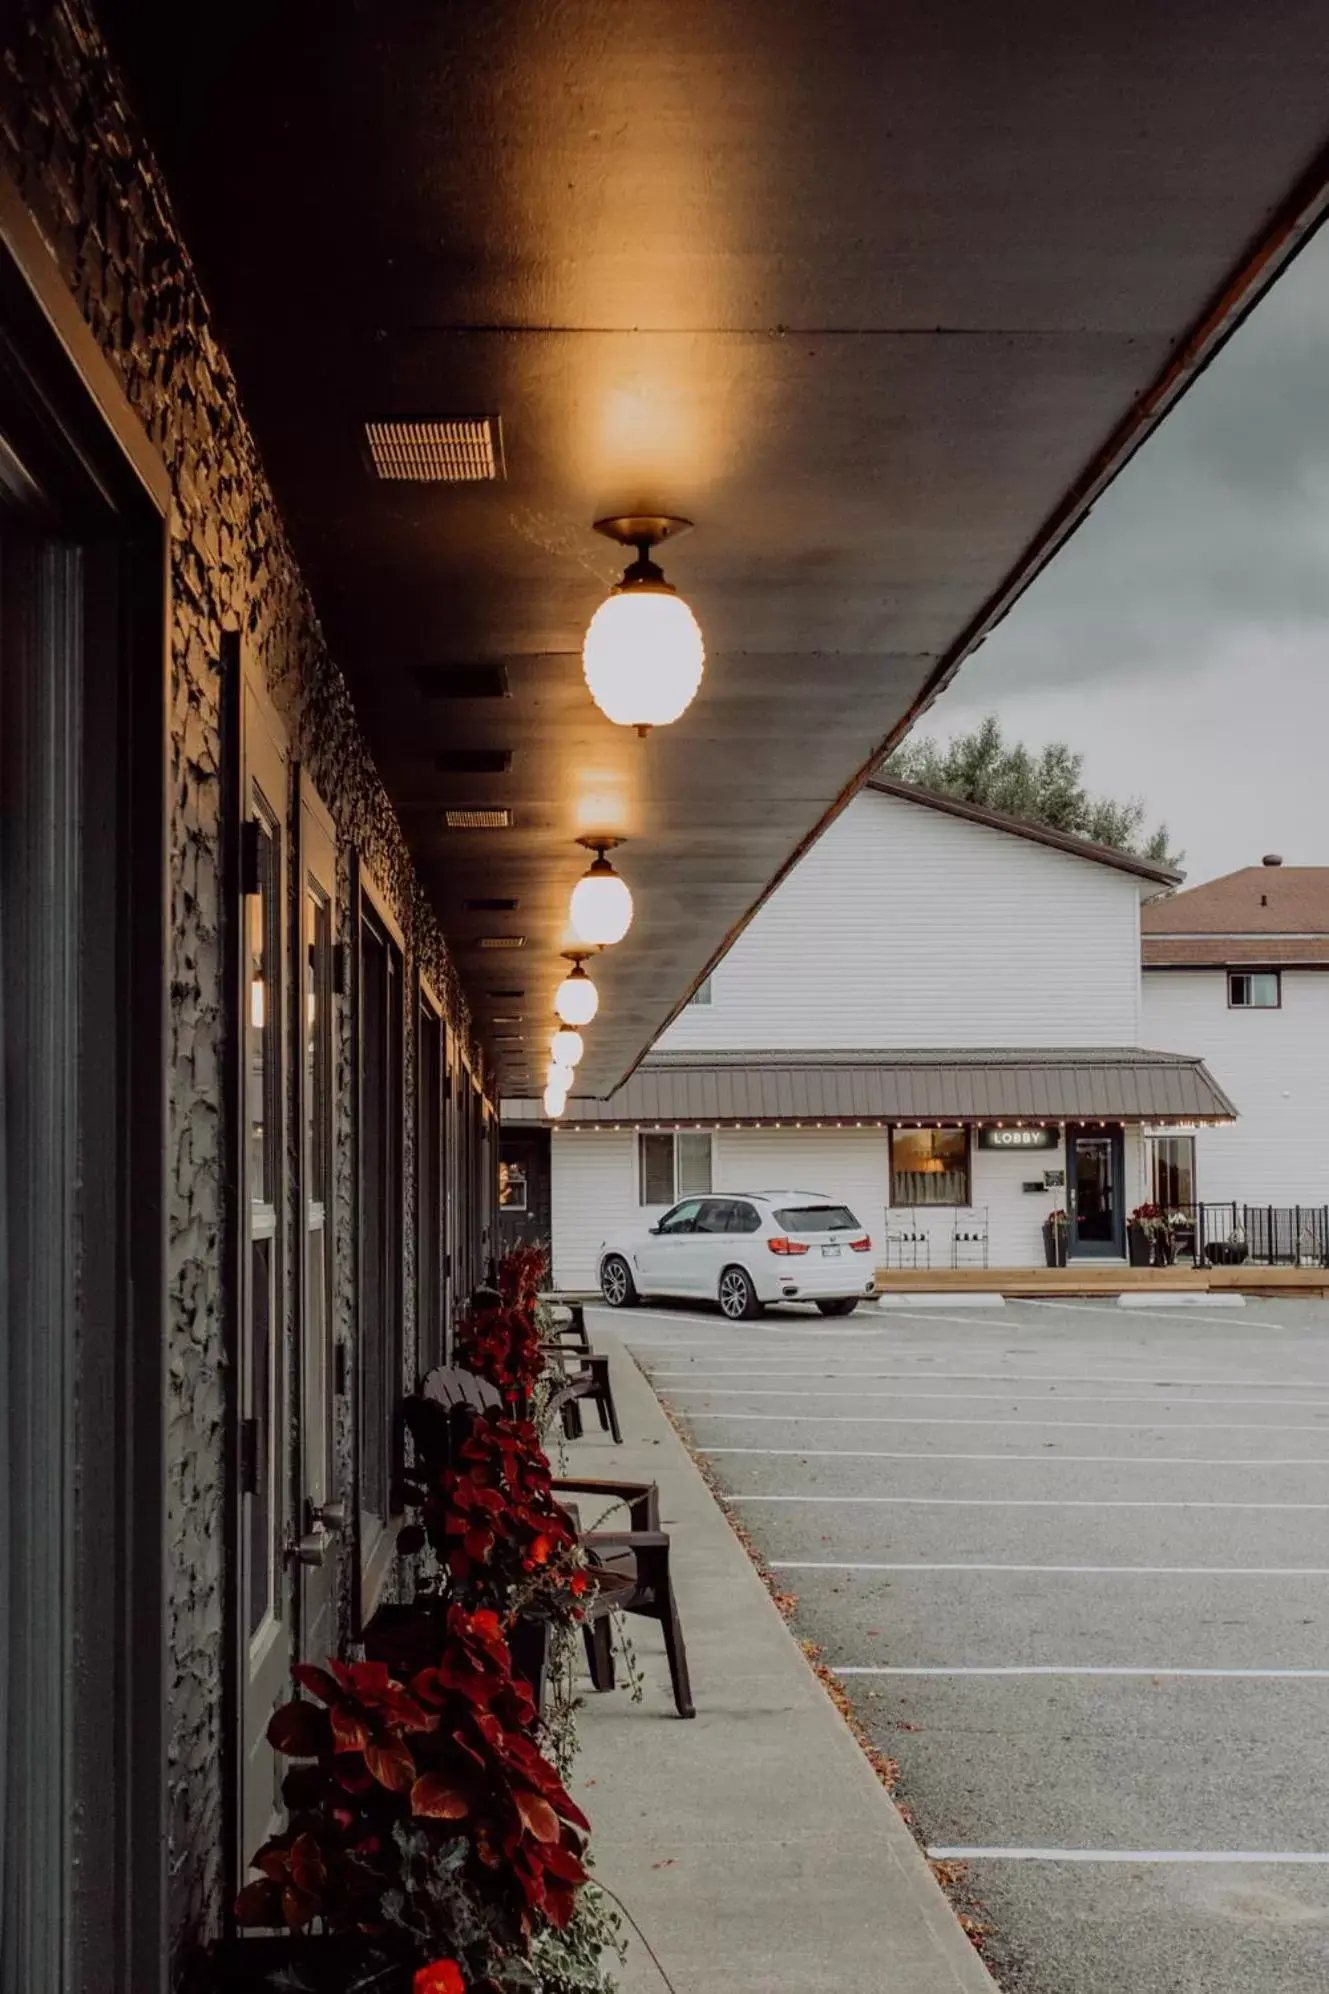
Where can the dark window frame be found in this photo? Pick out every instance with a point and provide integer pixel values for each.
(430, 1183)
(1235, 976)
(934, 1204)
(380, 1171)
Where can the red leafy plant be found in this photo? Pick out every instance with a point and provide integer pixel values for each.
(484, 1491)
(522, 1274)
(500, 1342)
(448, 1754)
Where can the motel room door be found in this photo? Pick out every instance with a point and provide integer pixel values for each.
(1095, 1180)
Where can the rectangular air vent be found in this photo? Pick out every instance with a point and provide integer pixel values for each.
(481, 818)
(473, 761)
(488, 906)
(501, 942)
(508, 1018)
(505, 996)
(441, 449)
(461, 681)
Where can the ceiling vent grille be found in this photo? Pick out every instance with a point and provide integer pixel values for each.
(462, 681)
(508, 995)
(501, 942)
(488, 906)
(437, 450)
(473, 761)
(481, 818)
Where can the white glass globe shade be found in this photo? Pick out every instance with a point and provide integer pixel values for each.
(555, 1101)
(576, 1000)
(643, 657)
(566, 1047)
(601, 907)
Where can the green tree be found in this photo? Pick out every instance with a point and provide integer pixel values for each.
(1046, 787)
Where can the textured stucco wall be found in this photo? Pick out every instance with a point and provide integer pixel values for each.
(69, 142)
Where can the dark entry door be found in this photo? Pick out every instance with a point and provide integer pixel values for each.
(1094, 1182)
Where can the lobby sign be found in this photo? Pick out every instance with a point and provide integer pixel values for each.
(1019, 1139)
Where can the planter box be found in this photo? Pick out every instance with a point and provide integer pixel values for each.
(328, 1963)
(1054, 1243)
(1139, 1246)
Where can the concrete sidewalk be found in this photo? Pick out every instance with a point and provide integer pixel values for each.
(754, 1845)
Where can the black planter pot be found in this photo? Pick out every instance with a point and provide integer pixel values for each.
(327, 1963)
(1054, 1243)
(1139, 1246)
(1226, 1253)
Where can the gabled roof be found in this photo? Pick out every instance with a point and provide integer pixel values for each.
(1035, 834)
(1272, 914)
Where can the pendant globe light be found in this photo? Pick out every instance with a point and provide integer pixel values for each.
(643, 652)
(566, 1047)
(576, 1000)
(601, 905)
(555, 1101)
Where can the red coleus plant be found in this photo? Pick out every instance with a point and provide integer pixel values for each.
(522, 1274)
(450, 1752)
(488, 1506)
(441, 1976)
(500, 1342)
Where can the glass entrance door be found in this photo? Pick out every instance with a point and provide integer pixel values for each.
(1094, 1181)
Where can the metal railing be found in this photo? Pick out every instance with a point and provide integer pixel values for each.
(1229, 1233)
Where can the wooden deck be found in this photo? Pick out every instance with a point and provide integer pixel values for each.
(1087, 1279)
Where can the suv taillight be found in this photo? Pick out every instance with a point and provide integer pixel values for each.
(863, 1245)
(782, 1245)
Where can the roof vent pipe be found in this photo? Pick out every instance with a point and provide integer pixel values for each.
(1272, 858)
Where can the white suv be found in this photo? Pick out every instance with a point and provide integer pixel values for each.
(744, 1249)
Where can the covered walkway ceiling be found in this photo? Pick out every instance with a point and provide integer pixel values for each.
(878, 294)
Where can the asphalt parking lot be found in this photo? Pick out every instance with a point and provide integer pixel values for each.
(1070, 1561)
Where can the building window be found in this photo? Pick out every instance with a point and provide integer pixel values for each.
(512, 1187)
(1174, 1171)
(380, 1217)
(430, 1177)
(930, 1167)
(1254, 990)
(702, 993)
(672, 1166)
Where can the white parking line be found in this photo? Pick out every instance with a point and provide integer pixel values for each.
(1017, 1502)
(983, 1398)
(1065, 1571)
(918, 1377)
(1072, 1669)
(1081, 1425)
(1270, 1857)
(1194, 1315)
(1055, 1460)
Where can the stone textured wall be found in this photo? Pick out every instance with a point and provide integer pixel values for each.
(69, 142)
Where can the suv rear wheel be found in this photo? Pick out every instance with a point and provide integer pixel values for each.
(738, 1297)
(616, 1282)
(845, 1306)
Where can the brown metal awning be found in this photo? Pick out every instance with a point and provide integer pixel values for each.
(1113, 1084)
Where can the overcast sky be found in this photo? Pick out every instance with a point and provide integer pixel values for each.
(1181, 639)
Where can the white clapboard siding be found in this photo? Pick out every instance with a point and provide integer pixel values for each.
(1273, 1064)
(596, 1181)
(905, 927)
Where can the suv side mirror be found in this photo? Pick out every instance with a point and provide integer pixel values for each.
(653, 1229)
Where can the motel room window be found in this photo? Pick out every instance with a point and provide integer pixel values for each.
(380, 1216)
(702, 993)
(930, 1167)
(1174, 1171)
(672, 1166)
(429, 1189)
(1254, 990)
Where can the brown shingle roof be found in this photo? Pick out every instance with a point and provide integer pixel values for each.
(1281, 900)
(1108, 1084)
(1236, 952)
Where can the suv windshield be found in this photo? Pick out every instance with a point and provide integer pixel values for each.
(816, 1218)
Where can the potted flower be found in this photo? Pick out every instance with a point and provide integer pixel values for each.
(1055, 1228)
(1144, 1232)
